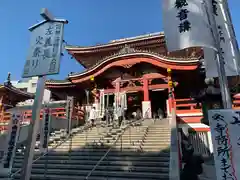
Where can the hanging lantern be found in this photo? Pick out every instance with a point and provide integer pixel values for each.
(92, 78)
(169, 70)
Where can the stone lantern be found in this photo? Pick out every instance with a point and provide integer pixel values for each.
(210, 98)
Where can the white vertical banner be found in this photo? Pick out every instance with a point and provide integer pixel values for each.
(102, 103)
(69, 111)
(186, 24)
(124, 100)
(217, 12)
(225, 126)
(45, 130)
(13, 134)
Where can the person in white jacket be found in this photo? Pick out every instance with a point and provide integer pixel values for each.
(120, 114)
(92, 116)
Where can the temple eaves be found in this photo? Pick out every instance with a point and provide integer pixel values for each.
(14, 90)
(117, 42)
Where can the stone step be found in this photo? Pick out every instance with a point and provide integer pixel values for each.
(124, 152)
(70, 159)
(121, 173)
(112, 167)
(158, 135)
(126, 164)
(62, 177)
(148, 143)
(107, 162)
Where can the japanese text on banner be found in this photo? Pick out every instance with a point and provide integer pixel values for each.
(222, 142)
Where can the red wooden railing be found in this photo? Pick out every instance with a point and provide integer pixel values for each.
(190, 106)
(27, 115)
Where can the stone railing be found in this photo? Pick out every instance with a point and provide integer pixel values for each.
(175, 158)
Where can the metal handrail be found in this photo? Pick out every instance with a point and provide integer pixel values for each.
(56, 146)
(103, 157)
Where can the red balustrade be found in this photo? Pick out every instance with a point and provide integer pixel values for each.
(27, 115)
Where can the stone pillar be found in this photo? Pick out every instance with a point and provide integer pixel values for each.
(146, 103)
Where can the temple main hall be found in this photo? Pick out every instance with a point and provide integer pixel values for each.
(133, 72)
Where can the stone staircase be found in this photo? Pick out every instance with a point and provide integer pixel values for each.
(54, 138)
(140, 151)
(84, 148)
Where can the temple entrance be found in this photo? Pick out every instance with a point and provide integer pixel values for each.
(158, 101)
(134, 103)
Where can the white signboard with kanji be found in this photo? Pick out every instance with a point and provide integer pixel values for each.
(225, 130)
(45, 50)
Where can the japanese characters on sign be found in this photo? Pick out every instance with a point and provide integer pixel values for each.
(183, 13)
(234, 133)
(14, 127)
(224, 142)
(215, 8)
(45, 50)
(45, 129)
(182, 22)
(228, 46)
(220, 28)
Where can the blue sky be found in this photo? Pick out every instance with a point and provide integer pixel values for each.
(90, 22)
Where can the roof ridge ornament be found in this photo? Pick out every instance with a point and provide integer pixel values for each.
(8, 82)
(127, 50)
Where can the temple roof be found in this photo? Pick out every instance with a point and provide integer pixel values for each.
(8, 87)
(89, 56)
(150, 45)
(89, 49)
(61, 83)
(127, 51)
(19, 94)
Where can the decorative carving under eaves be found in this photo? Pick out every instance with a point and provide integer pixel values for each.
(126, 50)
(131, 83)
(127, 66)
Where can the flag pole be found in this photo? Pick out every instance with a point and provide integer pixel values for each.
(232, 31)
(226, 98)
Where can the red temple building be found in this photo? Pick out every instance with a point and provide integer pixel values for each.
(138, 68)
(138, 73)
(9, 97)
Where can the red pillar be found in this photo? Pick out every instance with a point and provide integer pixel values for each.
(145, 90)
(146, 103)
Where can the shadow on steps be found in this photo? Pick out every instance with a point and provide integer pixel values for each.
(117, 165)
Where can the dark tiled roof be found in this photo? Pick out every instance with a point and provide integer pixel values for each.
(118, 41)
(10, 87)
(127, 50)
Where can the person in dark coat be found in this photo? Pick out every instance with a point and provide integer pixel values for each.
(193, 165)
